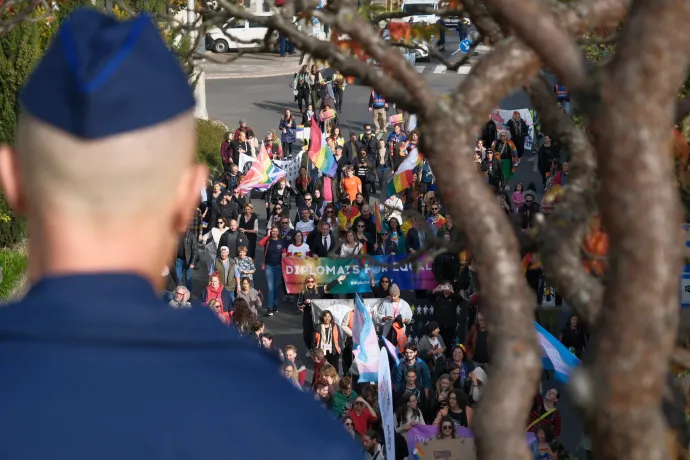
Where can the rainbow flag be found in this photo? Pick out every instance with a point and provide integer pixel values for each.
(378, 219)
(417, 454)
(320, 153)
(262, 174)
(402, 178)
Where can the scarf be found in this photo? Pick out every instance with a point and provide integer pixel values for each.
(213, 294)
(518, 126)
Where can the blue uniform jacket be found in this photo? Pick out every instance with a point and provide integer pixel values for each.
(97, 367)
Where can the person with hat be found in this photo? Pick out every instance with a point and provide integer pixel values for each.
(527, 211)
(392, 307)
(107, 117)
(242, 128)
(432, 348)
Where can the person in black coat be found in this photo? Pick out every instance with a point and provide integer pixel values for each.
(351, 148)
(490, 132)
(318, 249)
(415, 236)
(450, 312)
(492, 166)
(547, 154)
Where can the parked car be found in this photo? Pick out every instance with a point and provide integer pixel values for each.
(236, 32)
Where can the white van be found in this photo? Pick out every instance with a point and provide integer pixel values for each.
(409, 6)
(238, 28)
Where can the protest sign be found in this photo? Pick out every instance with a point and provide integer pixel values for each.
(291, 166)
(386, 403)
(423, 434)
(340, 307)
(356, 271)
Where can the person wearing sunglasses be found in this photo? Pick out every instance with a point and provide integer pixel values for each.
(310, 292)
(435, 220)
(349, 425)
(446, 429)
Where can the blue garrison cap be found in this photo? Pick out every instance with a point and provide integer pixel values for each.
(102, 77)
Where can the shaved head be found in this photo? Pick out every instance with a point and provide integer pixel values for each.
(110, 176)
(135, 191)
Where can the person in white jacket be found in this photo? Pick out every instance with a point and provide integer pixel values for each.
(478, 376)
(390, 309)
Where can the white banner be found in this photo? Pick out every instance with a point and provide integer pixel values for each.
(246, 162)
(501, 117)
(386, 403)
(340, 307)
(291, 167)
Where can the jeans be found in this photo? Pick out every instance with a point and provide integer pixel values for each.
(274, 276)
(182, 267)
(287, 149)
(338, 100)
(381, 171)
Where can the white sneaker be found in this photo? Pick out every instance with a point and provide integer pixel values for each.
(308, 354)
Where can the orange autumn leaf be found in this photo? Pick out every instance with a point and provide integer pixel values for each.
(681, 148)
(596, 245)
(400, 31)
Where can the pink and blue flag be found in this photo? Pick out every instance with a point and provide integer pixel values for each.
(365, 343)
(391, 350)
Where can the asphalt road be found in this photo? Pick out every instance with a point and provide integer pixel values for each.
(261, 102)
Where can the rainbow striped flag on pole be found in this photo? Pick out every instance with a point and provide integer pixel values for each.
(262, 174)
(402, 178)
(319, 152)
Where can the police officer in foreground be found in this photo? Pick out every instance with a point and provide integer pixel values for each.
(93, 364)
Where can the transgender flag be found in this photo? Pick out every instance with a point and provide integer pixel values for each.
(402, 178)
(320, 153)
(555, 355)
(365, 343)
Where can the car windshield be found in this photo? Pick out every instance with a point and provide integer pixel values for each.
(412, 7)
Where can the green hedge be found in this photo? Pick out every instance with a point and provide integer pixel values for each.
(210, 135)
(12, 229)
(13, 262)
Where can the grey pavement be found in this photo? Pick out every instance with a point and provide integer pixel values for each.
(256, 65)
(261, 103)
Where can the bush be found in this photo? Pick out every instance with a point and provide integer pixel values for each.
(13, 263)
(210, 135)
(11, 228)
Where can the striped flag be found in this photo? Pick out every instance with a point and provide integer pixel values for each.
(402, 179)
(555, 356)
(262, 174)
(320, 153)
(365, 343)
(378, 219)
(391, 350)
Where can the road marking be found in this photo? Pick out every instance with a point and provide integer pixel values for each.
(420, 68)
(535, 160)
(465, 69)
(440, 69)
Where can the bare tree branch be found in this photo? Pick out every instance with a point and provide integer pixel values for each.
(483, 21)
(633, 93)
(561, 235)
(537, 27)
(508, 304)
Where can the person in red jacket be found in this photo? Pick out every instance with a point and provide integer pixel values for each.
(291, 356)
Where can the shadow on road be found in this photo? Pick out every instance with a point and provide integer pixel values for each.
(278, 107)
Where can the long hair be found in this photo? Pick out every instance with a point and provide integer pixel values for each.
(243, 316)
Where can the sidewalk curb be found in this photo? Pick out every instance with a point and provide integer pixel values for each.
(233, 76)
